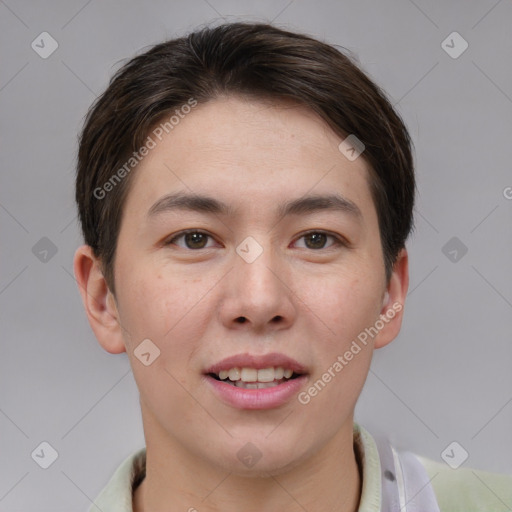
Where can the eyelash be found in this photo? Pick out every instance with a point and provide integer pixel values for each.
(338, 241)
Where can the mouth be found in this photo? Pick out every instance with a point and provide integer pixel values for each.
(253, 378)
(248, 381)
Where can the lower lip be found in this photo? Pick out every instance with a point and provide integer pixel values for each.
(266, 398)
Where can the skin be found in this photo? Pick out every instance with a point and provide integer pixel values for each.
(309, 303)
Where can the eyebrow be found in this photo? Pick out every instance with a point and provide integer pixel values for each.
(205, 204)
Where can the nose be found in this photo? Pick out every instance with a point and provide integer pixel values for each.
(258, 295)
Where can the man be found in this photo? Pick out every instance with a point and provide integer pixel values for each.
(245, 195)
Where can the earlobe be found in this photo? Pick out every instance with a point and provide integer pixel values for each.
(393, 302)
(98, 301)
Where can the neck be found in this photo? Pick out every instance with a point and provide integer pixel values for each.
(327, 481)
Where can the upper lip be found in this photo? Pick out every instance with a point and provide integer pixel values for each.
(257, 361)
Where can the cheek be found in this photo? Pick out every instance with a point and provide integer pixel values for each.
(343, 306)
(172, 311)
(345, 310)
(158, 310)
(150, 301)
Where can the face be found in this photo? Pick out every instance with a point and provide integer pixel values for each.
(249, 280)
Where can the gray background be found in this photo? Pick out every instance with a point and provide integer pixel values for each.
(445, 378)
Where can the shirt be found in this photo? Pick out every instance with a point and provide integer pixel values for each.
(392, 481)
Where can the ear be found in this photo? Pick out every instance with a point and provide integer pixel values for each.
(98, 300)
(393, 302)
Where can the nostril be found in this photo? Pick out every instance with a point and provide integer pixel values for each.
(240, 320)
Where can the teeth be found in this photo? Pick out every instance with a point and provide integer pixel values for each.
(252, 375)
(266, 375)
(249, 374)
(255, 385)
(234, 374)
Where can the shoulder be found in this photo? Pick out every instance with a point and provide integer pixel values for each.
(117, 494)
(468, 490)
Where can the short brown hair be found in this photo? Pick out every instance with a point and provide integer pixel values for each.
(256, 60)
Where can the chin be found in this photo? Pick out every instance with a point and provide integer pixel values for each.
(261, 458)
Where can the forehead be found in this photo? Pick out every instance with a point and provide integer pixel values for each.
(249, 153)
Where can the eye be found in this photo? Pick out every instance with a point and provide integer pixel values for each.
(318, 238)
(194, 239)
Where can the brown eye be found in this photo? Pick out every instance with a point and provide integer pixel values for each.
(193, 239)
(317, 239)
